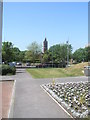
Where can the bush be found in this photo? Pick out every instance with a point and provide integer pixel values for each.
(6, 69)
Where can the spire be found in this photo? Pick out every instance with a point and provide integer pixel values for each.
(45, 45)
(45, 39)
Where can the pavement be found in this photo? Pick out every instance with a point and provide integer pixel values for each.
(30, 99)
(7, 88)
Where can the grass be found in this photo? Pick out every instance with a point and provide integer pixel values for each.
(75, 70)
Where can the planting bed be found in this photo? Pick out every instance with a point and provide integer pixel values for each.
(74, 97)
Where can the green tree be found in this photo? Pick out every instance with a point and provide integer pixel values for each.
(34, 51)
(7, 51)
(11, 53)
(16, 54)
(47, 57)
(87, 54)
(79, 55)
(22, 56)
(28, 56)
(59, 52)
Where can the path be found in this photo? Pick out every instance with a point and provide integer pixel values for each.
(32, 102)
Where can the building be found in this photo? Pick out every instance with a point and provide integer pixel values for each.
(45, 45)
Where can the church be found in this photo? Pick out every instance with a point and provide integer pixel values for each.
(45, 45)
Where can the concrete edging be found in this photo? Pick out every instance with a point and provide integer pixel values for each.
(10, 112)
(57, 103)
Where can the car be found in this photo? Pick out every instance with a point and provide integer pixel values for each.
(41, 66)
(19, 63)
(14, 63)
(27, 64)
(11, 64)
(68, 65)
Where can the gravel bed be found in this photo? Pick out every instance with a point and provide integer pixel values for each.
(74, 97)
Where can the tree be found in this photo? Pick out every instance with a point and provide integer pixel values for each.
(59, 52)
(47, 57)
(87, 54)
(28, 56)
(34, 51)
(22, 56)
(11, 53)
(79, 55)
(7, 51)
(16, 54)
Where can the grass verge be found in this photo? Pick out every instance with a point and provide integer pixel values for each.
(74, 70)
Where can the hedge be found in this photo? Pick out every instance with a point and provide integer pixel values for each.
(6, 69)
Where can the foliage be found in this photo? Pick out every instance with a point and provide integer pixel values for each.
(82, 54)
(34, 47)
(11, 53)
(22, 56)
(47, 57)
(34, 52)
(16, 53)
(6, 69)
(28, 56)
(87, 53)
(7, 52)
(58, 53)
(55, 54)
(82, 99)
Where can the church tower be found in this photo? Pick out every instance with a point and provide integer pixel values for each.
(45, 45)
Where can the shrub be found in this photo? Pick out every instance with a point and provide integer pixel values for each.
(6, 69)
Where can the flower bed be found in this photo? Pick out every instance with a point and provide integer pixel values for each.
(73, 97)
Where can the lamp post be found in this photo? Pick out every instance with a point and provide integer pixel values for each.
(1, 15)
(67, 42)
(52, 57)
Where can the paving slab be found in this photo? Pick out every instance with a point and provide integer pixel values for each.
(6, 88)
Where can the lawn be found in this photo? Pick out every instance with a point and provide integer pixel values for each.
(74, 70)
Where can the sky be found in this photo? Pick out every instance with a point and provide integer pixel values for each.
(24, 23)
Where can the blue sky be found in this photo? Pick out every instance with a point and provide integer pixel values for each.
(24, 23)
